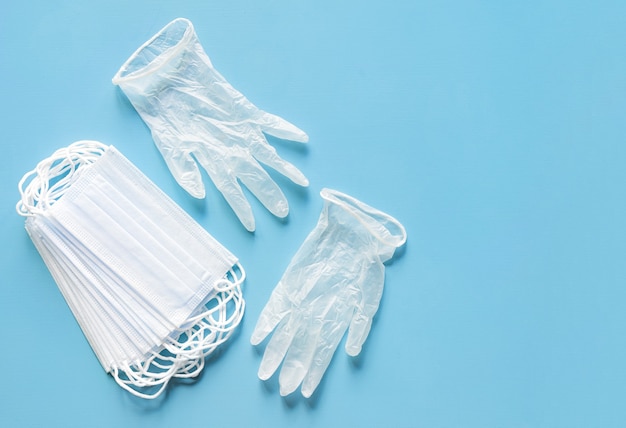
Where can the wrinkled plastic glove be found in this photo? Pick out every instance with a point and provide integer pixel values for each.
(195, 115)
(334, 281)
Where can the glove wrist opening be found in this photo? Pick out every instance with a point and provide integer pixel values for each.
(157, 51)
(382, 226)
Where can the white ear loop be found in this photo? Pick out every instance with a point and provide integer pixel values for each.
(53, 176)
(183, 357)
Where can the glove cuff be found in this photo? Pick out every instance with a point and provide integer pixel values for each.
(382, 226)
(159, 51)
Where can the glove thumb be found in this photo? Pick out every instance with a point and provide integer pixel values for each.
(184, 169)
(366, 308)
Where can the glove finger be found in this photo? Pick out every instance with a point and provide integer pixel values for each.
(227, 184)
(267, 155)
(259, 182)
(279, 127)
(278, 346)
(184, 169)
(334, 327)
(277, 307)
(371, 293)
(298, 358)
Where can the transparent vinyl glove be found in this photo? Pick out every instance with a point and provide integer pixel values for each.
(196, 116)
(334, 283)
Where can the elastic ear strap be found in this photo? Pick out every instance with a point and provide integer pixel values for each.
(53, 176)
(184, 357)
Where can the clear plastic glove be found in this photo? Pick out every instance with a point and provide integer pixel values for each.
(335, 280)
(195, 115)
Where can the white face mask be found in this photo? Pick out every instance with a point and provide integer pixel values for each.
(152, 291)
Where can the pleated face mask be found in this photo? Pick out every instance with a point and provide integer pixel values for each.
(152, 291)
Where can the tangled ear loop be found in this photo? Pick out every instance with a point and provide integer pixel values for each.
(53, 176)
(183, 356)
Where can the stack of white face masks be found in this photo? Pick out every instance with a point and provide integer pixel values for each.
(152, 291)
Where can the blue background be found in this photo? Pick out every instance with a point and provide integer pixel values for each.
(494, 131)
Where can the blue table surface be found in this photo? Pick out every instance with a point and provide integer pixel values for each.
(494, 131)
